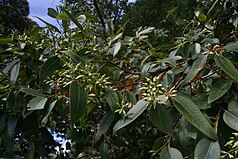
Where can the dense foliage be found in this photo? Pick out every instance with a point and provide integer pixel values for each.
(92, 90)
(13, 16)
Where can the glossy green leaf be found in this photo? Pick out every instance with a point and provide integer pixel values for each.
(161, 118)
(52, 12)
(131, 115)
(32, 92)
(30, 152)
(11, 101)
(196, 67)
(14, 72)
(62, 16)
(45, 119)
(202, 101)
(227, 66)
(170, 153)
(191, 112)
(105, 123)
(202, 17)
(130, 97)
(104, 148)
(51, 65)
(10, 65)
(233, 46)
(159, 143)
(219, 89)
(78, 101)
(37, 103)
(230, 117)
(207, 149)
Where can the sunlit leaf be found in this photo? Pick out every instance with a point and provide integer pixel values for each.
(37, 103)
(52, 12)
(131, 115)
(191, 112)
(207, 149)
(219, 89)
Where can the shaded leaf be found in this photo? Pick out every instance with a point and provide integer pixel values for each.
(75, 57)
(11, 125)
(170, 153)
(159, 143)
(231, 47)
(104, 147)
(49, 25)
(191, 112)
(112, 99)
(201, 101)
(196, 67)
(32, 92)
(51, 65)
(227, 66)
(14, 72)
(30, 152)
(37, 103)
(131, 115)
(219, 89)
(78, 101)
(230, 117)
(207, 149)
(105, 124)
(10, 65)
(161, 118)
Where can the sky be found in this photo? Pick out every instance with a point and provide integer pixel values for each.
(39, 8)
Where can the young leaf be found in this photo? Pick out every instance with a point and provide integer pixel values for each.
(37, 103)
(196, 67)
(105, 124)
(51, 65)
(78, 101)
(32, 92)
(219, 89)
(230, 117)
(131, 115)
(191, 112)
(207, 149)
(161, 118)
(227, 66)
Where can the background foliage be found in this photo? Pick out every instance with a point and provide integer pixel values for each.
(112, 83)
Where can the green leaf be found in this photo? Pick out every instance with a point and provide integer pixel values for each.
(219, 89)
(10, 65)
(5, 40)
(161, 118)
(231, 47)
(11, 101)
(130, 97)
(78, 101)
(51, 65)
(49, 25)
(207, 149)
(104, 148)
(76, 22)
(37, 103)
(202, 17)
(227, 66)
(14, 72)
(32, 92)
(181, 5)
(170, 153)
(230, 117)
(159, 143)
(45, 119)
(30, 152)
(11, 125)
(112, 99)
(77, 58)
(201, 101)
(52, 12)
(105, 124)
(196, 67)
(131, 115)
(62, 16)
(191, 112)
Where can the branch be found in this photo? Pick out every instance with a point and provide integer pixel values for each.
(99, 14)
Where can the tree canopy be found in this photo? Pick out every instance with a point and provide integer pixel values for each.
(120, 85)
